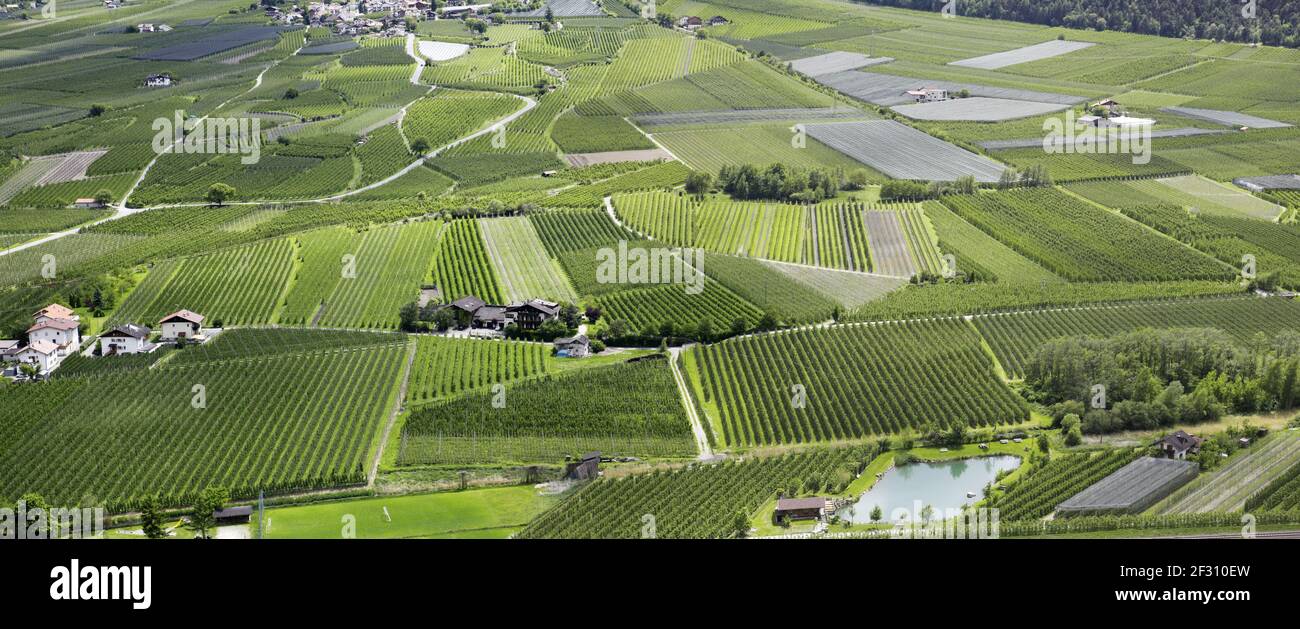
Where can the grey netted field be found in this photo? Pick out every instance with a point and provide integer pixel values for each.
(902, 152)
(1025, 143)
(1269, 182)
(1131, 488)
(977, 109)
(850, 288)
(1044, 50)
(888, 244)
(889, 90)
(838, 61)
(579, 160)
(210, 44)
(808, 114)
(1226, 118)
(566, 8)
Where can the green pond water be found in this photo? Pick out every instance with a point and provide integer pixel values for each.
(904, 490)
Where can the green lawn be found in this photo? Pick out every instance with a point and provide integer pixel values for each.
(478, 513)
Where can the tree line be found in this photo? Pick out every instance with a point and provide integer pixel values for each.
(1149, 379)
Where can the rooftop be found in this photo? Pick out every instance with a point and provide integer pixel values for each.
(1133, 487)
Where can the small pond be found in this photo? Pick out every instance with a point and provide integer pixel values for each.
(942, 485)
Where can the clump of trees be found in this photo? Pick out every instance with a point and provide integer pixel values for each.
(901, 190)
(1035, 176)
(780, 182)
(1149, 379)
(219, 193)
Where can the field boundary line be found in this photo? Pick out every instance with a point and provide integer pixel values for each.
(684, 391)
(398, 405)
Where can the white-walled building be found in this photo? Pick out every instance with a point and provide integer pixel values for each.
(43, 354)
(125, 339)
(182, 324)
(62, 333)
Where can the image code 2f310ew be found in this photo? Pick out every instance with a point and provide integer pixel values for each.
(635, 269)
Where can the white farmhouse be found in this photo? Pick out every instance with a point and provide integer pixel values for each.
(63, 334)
(181, 324)
(125, 339)
(44, 354)
(928, 94)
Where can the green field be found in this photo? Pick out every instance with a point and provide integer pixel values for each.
(478, 514)
(851, 382)
(292, 419)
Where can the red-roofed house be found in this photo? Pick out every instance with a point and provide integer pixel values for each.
(181, 324)
(55, 311)
(62, 333)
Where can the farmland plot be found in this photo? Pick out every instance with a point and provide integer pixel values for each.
(889, 244)
(669, 308)
(977, 251)
(526, 271)
(832, 62)
(977, 109)
(785, 298)
(576, 229)
(889, 90)
(35, 221)
(237, 286)
(853, 381)
(1227, 118)
(697, 502)
(849, 289)
(277, 423)
(903, 152)
(629, 409)
(462, 266)
(1079, 241)
(1209, 194)
(710, 149)
(583, 160)
(1228, 488)
(445, 367)
(1035, 52)
(1037, 494)
(723, 117)
(322, 263)
(389, 266)
(449, 115)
